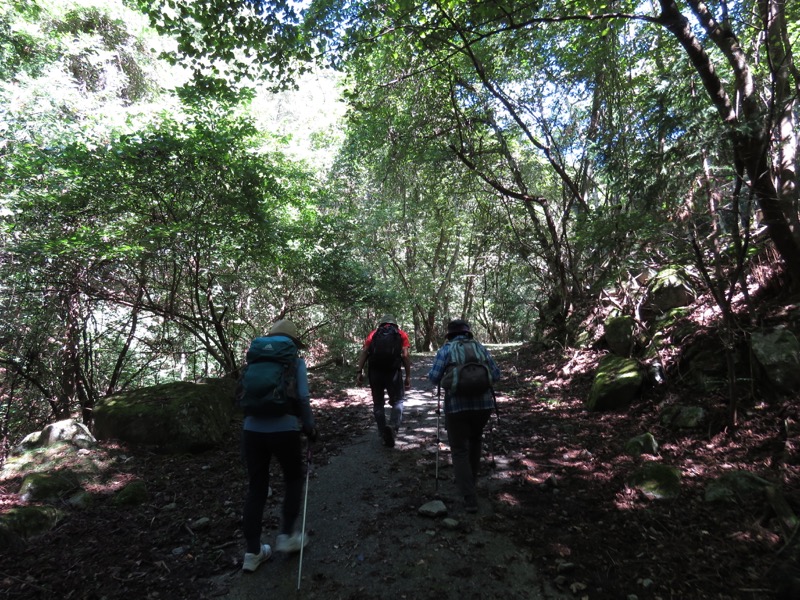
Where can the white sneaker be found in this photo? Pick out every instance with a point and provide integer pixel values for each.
(253, 561)
(292, 543)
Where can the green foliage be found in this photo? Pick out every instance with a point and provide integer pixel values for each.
(502, 161)
(225, 42)
(184, 237)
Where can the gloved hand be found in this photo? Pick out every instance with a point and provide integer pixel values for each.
(311, 433)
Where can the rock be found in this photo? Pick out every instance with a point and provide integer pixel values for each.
(201, 523)
(656, 481)
(68, 430)
(81, 499)
(683, 417)
(435, 508)
(176, 417)
(451, 523)
(703, 363)
(132, 494)
(617, 382)
(642, 444)
(778, 353)
(669, 289)
(37, 487)
(734, 485)
(24, 522)
(619, 335)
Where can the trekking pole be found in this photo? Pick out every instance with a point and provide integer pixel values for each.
(305, 507)
(438, 410)
(492, 462)
(492, 431)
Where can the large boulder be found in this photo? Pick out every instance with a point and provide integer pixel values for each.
(778, 352)
(617, 382)
(175, 417)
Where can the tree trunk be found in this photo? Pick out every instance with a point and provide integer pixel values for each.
(746, 124)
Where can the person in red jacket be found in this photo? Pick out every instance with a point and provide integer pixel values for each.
(385, 350)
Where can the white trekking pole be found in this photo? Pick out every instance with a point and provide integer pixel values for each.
(305, 508)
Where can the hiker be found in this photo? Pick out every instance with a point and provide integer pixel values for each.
(384, 350)
(270, 431)
(466, 410)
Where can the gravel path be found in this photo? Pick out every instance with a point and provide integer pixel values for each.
(367, 540)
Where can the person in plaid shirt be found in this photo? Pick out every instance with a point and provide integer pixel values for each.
(464, 416)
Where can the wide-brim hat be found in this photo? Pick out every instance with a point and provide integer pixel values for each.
(287, 328)
(458, 327)
(387, 319)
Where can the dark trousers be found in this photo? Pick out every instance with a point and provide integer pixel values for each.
(257, 451)
(465, 435)
(390, 382)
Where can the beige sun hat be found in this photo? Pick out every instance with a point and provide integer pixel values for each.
(287, 328)
(387, 319)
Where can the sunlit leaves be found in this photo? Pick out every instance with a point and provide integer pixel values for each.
(228, 41)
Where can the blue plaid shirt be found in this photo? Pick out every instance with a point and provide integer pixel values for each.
(454, 404)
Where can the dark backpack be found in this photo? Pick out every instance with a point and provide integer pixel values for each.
(268, 385)
(385, 348)
(467, 372)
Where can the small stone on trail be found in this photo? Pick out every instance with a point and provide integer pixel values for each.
(435, 508)
(450, 523)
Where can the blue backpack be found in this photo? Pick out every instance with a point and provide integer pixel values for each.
(268, 385)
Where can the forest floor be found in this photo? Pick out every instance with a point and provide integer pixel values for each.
(556, 519)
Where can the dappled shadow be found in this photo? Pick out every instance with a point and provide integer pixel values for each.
(552, 485)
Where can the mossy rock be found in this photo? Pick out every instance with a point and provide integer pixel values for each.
(61, 456)
(24, 522)
(38, 487)
(66, 431)
(133, 494)
(736, 485)
(657, 481)
(619, 334)
(642, 444)
(669, 289)
(683, 417)
(617, 382)
(175, 417)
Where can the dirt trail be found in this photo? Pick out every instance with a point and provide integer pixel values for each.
(367, 539)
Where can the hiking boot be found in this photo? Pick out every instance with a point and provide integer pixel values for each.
(291, 543)
(388, 437)
(252, 561)
(470, 504)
